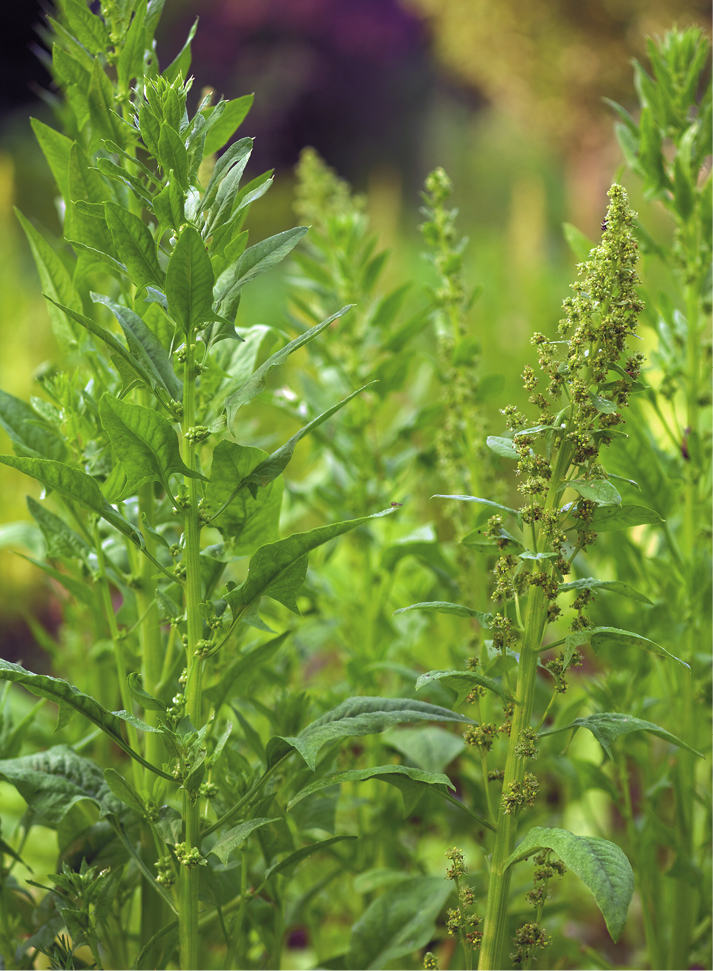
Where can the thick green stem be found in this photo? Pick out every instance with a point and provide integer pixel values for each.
(188, 891)
(499, 886)
(150, 630)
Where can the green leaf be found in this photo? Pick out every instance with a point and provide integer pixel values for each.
(354, 717)
(100, 100)
(411, 783)
(189, 281)
(502, 447)
(580, 244)
(77, 486)
(236, 157)
(601, 636)
(247, 522)
(443, 607)
(53, 781)
(615, 586)
(302, 854)
(275, 464)
(397, 923)
(230, 120)
(55, 280)
(237, 835)
(147, 701)
(462, 682)
(28, 435)
(89, 29)
(144, 443)
(607, 726)
(70, 699)
(601, 865)
(131, 53)
(278, 569)
(173, 156)
(431, 748)
(254, 261)
(182, 61)
(56, 148)
(77, 588)
(483, 502)
(135, 246)
(145, 347)
(597, 490)
(124, 791)
(240, 674)
(606, 518)
(256, 383)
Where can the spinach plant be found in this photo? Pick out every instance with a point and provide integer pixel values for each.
(135, 443)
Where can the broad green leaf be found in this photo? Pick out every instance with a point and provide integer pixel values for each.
(247, 522)
(483, 502)
(614, 586)
(606, 518)
(237, 155)
(607, 726)
(70, 699)
(135, 246)
(431, 748)
(124, 791)
(462, 682)
(144, 443)
(55, 280)
(100, 100)
(76, 486)
(147, 701)
(278, 569)
(237, 835)
(411, 783)
(397, 923)
(294, 858)
(601, 865)
(357, 716)
(275, 464)
(131, 53)
(89, 29)
(502, 447)
(580, 244)
(230, 120)
(189, 281)
(56, 148)
(53, 781)
(597, 490)
(222, 197)
(28, 435)
(443, 607)
(173, 156)
(254, 261)
(601, 636)
(239, 676)
(145, 348)
(477, 540)
(256, 383)
(118, 351)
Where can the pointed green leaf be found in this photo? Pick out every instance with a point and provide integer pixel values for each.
(223, 192)
(246, 522)
(147, 701)
(289, 861)
(241, 673)
(462, 682)
(614, 586)
(181, 64)
(230, 120)
(443, 607)
(398, 923)
(237, 835)
(607, 726)
(606, 518)
(70, 699)
(601, 865)
(189, 281)
(79, 590)
(601, 636)
(502, 447)
(89, 29)
(135, 246)
(580, 244)
(28, 436)
(124, 791)
(60, 539)
(256, 382)
(173, 156)
(100, 99)
(131, 53)
(483, 502)
(431, 748)
(144, 443)
(411, 783)
(357, 716)
(596, 490)
(56, 148)
(237, 155)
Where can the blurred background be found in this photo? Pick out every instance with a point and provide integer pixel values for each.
(506, 96)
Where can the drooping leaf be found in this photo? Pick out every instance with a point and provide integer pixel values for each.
(144, 443)
(247, 521)
(237, 835)
(53, 781)
(411, 783)
(77, 486)
(148, 702)
(614, 586)
(124, 791)
(483, 502)
(189, 281)
(443, 607)
(601, 865)
(606, 518)
(357, 716)
(135, 246)
(278, 569)
(601, 636)
(462, 682)
(607, 726)
(29, 437)
(397, 923)
(256, 383)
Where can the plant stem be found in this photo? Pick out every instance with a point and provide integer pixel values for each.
(188, 892)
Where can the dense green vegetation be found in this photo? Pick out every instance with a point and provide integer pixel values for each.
(263, 638)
